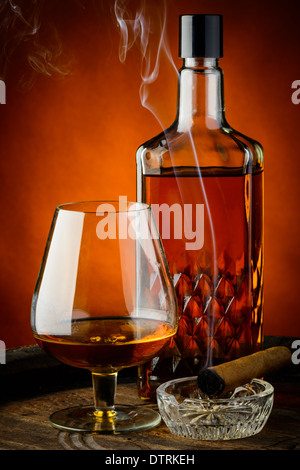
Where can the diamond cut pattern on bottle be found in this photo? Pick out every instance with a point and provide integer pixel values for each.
(215, 322)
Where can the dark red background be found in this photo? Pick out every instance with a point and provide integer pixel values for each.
(74, 137)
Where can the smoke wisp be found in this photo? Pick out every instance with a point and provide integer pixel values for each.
(144, 26)
(27, 34)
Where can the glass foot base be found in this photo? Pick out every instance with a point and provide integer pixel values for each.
(125, 419)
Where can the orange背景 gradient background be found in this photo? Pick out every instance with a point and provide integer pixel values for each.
(71, 132)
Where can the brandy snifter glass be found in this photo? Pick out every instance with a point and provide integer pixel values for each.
(104, 301)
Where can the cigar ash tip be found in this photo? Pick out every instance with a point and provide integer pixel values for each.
(210, 383)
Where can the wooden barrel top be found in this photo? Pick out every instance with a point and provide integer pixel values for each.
(33, 385)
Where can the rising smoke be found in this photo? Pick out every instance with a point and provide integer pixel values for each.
(143, 25)
(28, 36)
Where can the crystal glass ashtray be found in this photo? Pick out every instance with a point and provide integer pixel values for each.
(189, 413)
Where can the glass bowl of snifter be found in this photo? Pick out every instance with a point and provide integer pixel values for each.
(224, 402)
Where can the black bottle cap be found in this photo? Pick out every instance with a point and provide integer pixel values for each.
(201, 36)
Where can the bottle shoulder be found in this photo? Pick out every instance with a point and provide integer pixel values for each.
(252, 145)
(218, 149)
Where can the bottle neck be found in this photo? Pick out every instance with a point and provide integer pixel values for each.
(200, 100)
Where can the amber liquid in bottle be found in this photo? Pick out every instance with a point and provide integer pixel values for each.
(220, 307)
(106, 344)
(201, 161)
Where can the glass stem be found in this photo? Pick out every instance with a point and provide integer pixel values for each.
(104, 387)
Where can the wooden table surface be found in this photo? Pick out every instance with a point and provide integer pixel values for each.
(35, 386)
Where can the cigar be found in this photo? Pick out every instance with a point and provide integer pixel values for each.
(218, 380)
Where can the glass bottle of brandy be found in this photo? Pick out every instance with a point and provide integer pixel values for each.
(204, 181)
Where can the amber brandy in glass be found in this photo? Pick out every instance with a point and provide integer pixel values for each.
(104, 301)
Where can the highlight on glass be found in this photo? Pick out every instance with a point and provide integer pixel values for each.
(104, 303)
